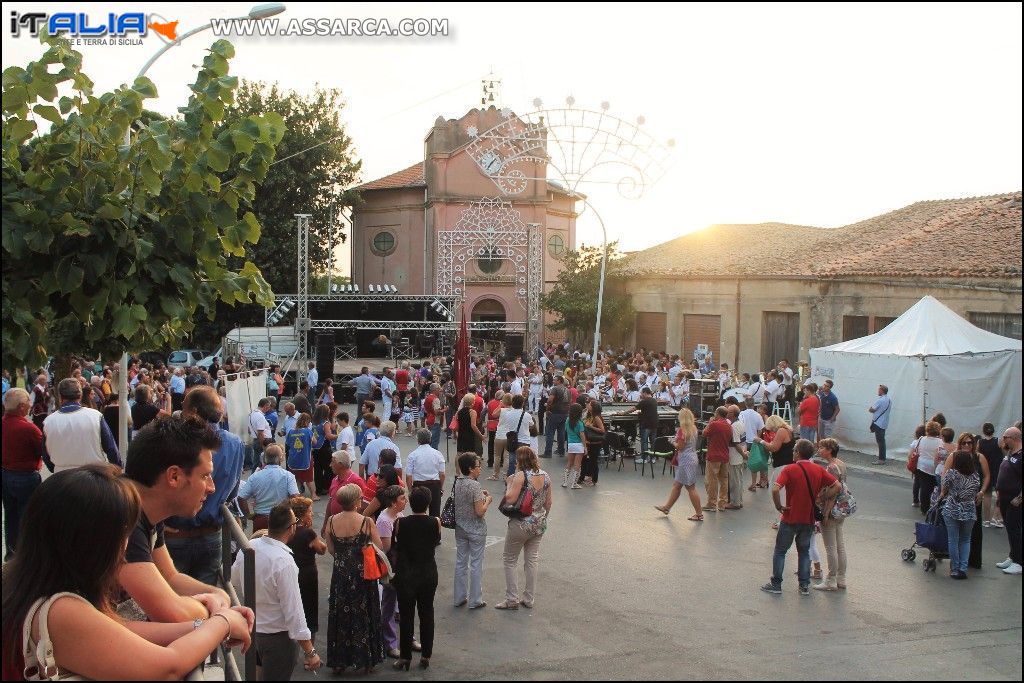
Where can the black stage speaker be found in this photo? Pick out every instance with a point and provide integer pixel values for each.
(514, 345)
(325, 355)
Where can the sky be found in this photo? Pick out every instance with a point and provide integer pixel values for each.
(811, 114)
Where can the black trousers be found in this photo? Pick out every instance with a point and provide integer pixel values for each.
(591, 465)
(322, 468)
(926, 484)
(278, 655)
(416, 594)
(490, 448)
(435, 495)
(1012, 522)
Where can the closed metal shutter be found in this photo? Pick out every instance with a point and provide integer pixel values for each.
(650, 331)
(702, 329)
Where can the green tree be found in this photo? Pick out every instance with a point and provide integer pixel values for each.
(109, 246)
(574, 296)
(316, 163)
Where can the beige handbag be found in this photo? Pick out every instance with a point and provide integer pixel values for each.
(39, 662)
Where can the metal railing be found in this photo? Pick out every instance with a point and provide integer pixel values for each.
(232, 532)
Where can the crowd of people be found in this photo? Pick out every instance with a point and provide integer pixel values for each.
(163, 517)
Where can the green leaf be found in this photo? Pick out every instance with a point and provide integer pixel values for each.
(218, 158)
(139, 313)
(21, 130)
(69, 275)
(150, 178)
(49, 113)
(110, 212)
(242, 141)
(144, 87)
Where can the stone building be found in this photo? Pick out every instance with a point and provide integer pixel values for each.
(758, 293)
(442, 226)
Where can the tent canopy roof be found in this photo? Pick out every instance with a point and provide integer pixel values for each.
(928, 328)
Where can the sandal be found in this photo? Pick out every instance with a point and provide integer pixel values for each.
(662, 510)
(696, 518)
(507, 604)
(775, 525)
(752, 488)
(709, 508)
(492, 478)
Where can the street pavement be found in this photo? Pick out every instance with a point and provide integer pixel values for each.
(626, 593)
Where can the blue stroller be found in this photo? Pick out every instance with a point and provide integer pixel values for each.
(931, 535)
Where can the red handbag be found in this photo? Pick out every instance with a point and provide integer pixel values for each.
(912, 460)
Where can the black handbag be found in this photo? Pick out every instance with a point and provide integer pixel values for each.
(512, 438)
(594, 437)
(819, 516)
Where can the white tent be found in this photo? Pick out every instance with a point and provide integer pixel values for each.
(932, 360)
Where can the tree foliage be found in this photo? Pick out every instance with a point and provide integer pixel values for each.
(574, 296)
(316, 165)
(109, 246)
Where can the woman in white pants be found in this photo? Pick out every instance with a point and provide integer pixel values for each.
(536, 389)
(832, 529)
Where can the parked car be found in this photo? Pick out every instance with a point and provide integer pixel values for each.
(186, 358)
(153, 358)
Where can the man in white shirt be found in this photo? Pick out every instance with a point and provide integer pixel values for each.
(312, 377)
(260, 433)
(516, 389)
(425, 467)
(773, 389)
(752, 420)
(387, 392)
(786, 375)
(347, 436)
(291, 417)
(369, 459)
(280, 620)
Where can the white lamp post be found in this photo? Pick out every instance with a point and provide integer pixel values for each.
(257, 12)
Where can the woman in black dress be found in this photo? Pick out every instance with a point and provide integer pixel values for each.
(969, 443)
(306, 545)
(415, 538)
(468, 432)
(354, 635)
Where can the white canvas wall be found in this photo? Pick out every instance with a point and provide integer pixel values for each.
(973, 390)
(243, 395)
(856, 378)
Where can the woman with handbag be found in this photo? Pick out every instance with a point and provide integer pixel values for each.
(470, 501)
(354, 634)
(527, 503)
(513, 431)
(687, 467)
(465, 424)
(929, 454)
(595, 433)
(496, 431)
(414, 540)
(832, 528)
(57, 612)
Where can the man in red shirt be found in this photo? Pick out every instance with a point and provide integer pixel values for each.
(805, 483)
(716, 478)
(402, 379)
(808, 410)
(22, 460)
(433, 407)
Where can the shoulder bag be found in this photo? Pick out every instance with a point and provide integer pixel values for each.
(913, 457)
(512, 438)
(874, 427)
(818, 515)
(523, 501)
(594, 436)
(448, 513)
(376, 565)
(39, 662)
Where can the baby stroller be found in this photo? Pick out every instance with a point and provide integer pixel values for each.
(930, 534)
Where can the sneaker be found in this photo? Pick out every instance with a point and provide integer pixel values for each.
(804, 590)
(1014, 569)
(986, 524)
(997, 524)
(877, 462)
(1005, 563)
(915, 505)
(772, 588)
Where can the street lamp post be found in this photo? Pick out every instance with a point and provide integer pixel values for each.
(600, 287)
(257, 12)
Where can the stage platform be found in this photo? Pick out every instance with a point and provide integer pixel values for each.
(355, 365)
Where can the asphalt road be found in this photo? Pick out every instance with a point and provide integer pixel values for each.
(624, 592)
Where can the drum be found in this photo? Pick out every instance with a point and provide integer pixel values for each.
(737, 393)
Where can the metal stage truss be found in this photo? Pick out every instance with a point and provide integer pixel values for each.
(450, 301)
(417, 325)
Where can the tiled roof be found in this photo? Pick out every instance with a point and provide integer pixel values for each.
(409, 177)
(977, 237)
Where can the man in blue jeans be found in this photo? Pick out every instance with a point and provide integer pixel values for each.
(648, 422)
(805, 483)
(557, 413)
(195, 542)
(22, 460)
(882, 410)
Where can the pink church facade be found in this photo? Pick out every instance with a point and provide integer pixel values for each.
(443, 226)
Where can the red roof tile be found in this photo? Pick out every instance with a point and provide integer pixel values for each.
(409, 177)
(977, 237)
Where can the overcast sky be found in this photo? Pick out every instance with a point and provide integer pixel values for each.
(809, 114)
